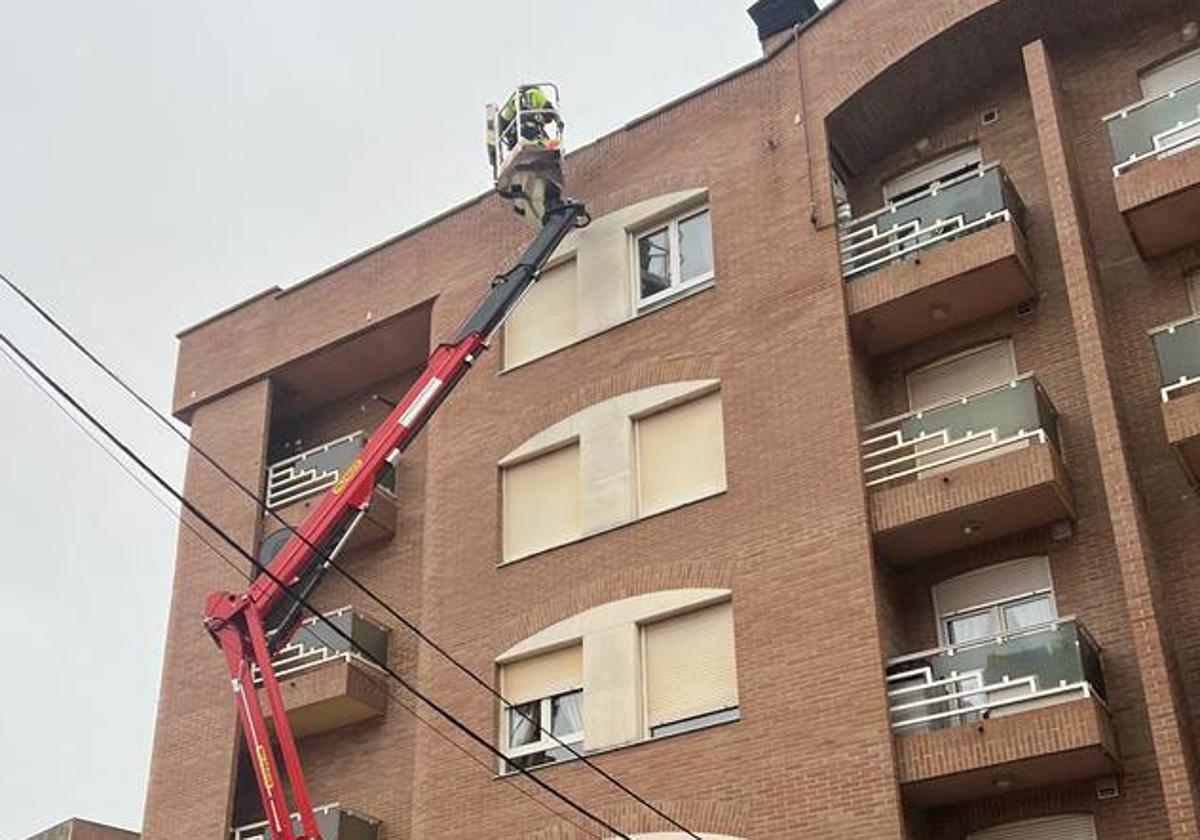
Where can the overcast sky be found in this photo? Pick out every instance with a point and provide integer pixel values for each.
(162, 160)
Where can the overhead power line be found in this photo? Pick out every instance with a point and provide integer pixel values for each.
(410, 625)
(178, 517)
(445, 713)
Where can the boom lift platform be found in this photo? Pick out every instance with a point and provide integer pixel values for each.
(524, 140)
(251, 627)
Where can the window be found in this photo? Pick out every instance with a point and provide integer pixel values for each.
(615, 461)
(962, 374)
(674, 257)
(922, 177)
(995, 600)
(680, 454)
(690, 670)
(1171, 75)
(1193, 285)
(541, 502)
(547, 317)
(642, 667)
(547, 696)
(1067, 827)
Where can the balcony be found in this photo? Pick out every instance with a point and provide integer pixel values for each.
(972, 469)
(297, 483)
(334, 822)
(326, 682)
(1035, 704)
(949, 255)
(1177, 347)
(1156, 164)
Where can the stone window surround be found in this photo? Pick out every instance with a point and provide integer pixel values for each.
(604, 254)
(605, 433)
(611, 635)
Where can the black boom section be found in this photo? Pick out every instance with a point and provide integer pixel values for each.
(509, 286)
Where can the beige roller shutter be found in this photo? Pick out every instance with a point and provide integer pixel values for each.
(547, 317)
(1193, 282)
(680, 454)
(1171, 76)
(914, 180)
(991, 584)
(1069, 827)
(541, 502)
(544, 675)
(962, 374)
(690, 665)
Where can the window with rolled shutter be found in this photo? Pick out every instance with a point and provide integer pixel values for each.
(1193, 284)
(541, 502)
(547, 317)
(543, 675)
(1067, 827)
(680, 454)
(1172, 75)
(690, 666)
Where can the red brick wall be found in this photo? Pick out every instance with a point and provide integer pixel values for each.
(816, 616)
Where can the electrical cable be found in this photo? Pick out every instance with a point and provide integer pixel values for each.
(175, 514)
(445, 713)
(323, 556)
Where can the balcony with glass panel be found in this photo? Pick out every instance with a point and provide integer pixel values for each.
(1177, 349)
(951, 254)
(1156, 167)
(297, 483)
(975, 468)
(334, 822)
(995, 712)
(326, 681)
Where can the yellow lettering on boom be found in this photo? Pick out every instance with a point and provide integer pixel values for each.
(348, 474)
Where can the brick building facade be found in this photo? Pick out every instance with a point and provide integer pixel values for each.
(857, 377)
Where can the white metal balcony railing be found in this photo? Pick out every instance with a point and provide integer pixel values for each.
(315, 644)
(1159, 126)
(1177, 350)
(967, 428)
(334, 821)
(315, 470)
(1034, 666)
(945, 210)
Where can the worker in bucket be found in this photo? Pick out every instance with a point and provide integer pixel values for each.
(537, 112)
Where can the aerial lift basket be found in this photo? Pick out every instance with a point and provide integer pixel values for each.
(524, 143)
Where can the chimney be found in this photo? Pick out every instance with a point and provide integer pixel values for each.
(773, 17)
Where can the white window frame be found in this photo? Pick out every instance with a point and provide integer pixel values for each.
(997, 608)
(678, 286)
(545, 726)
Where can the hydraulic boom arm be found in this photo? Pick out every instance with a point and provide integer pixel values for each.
(251, 626)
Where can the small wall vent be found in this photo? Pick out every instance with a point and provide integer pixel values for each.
(1108, 787)
(990, 117)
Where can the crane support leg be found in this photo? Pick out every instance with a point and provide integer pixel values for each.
(241, 659)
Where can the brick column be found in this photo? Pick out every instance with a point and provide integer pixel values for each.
(1169, 737)
(190, 791)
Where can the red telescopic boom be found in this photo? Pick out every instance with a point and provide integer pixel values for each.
(251, 626)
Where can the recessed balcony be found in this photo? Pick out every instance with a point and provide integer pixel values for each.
(326, 682)
(334, 822)
(296, 484)
(1177, 348)
(1026, 709)
(976, 468)
(1156, 166)
(949, 255)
